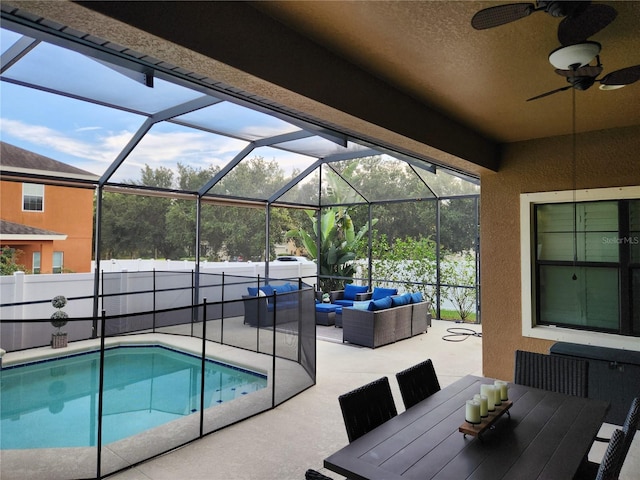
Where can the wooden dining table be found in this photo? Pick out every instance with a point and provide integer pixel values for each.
(544, 436)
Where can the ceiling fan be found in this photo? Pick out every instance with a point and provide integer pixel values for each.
(581, 19)
(572, 62)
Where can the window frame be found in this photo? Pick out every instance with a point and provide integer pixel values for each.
(528, 268)
(24, 195)
(36, 263)
(54, 267)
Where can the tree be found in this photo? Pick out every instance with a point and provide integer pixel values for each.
(134, 225)
(460, 270)
(409, 262)
(458, 228)
(9, 261)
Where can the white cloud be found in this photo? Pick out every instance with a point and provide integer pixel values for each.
(58, 141)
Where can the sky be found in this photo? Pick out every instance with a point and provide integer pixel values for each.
(92, 135)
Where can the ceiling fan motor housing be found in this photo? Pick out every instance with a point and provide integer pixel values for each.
(581, 82)
(558, 9)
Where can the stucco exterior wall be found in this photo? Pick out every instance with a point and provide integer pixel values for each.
(604, 159)
(68, 211)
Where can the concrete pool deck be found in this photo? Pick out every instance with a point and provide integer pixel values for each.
(283, 443)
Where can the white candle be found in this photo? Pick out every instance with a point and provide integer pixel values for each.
(489, 392)
(484, 406)
(472, 412)
(503, 388)
(496, 397)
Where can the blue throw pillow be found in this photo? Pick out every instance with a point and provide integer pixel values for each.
(379, 293)
(380, 304)
(364, 305)
(253, 291)
(416, 297)
(398, 300)
(267, 289)
(351, 290)
(282, 288)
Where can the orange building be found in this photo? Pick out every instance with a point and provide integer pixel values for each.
(50, 224)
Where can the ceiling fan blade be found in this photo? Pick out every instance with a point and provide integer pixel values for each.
(584, 23)
(501, 14)
(624, 76)
(586, 71)
(550, 93)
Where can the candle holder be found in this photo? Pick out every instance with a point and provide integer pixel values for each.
(486, 424)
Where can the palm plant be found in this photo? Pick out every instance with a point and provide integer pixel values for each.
(338, 243)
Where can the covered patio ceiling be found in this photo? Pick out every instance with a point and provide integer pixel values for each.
(114, 112)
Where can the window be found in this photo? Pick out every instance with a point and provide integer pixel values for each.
(36, 262)
(578, 264)
(33, 197)
(581, 264)
(57, 262)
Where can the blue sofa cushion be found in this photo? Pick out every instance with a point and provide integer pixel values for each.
(287, 287)
(344, 303)
(379, 292)
(397, 300)
(326, 307)
(266, 289)
(380, 304)
(416, 297)
(363, 305)
(351, 290)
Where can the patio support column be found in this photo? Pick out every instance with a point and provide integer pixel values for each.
(370, 247)
(267, 253)
(438, 258)
(476, 204)
(96, 254)
(196, 293)
(319, 243)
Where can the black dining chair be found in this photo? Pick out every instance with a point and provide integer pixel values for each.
(552, 372)
(629, 427)
(417, 383)
(367, 407)
(315, 475)
(609, 468)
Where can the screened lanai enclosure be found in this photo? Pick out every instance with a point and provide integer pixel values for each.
(186, 168)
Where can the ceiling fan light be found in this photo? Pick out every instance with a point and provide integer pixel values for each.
(611, 87)
(574, 56)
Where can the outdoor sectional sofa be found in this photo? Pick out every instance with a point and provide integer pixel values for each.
(259, 305)
(385, 323)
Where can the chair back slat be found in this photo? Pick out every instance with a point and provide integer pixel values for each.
(553, 373)
(613, 458)
(417, 383)
(630, 426)
(367, 407)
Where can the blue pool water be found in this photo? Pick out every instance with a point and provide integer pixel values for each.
(54, 403)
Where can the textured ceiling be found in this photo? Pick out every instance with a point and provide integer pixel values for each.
(429, 50)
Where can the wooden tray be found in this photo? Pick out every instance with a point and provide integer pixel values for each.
(486, 423)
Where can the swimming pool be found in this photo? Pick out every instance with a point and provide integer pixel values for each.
(54, 403)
